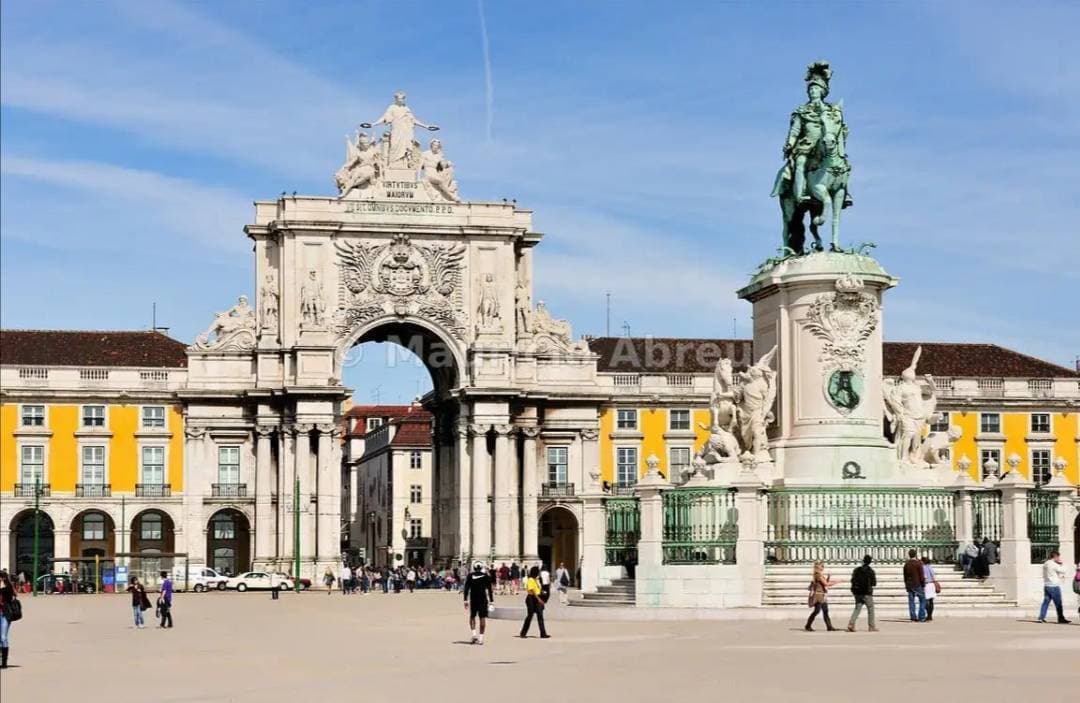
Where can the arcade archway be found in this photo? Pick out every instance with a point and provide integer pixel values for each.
(93, 534)
(22, 543)
(228, 542)
(558, 539)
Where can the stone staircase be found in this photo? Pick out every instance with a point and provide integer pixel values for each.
(620, 594)
(786, 587)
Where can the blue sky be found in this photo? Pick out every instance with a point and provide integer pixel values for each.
(135, 136)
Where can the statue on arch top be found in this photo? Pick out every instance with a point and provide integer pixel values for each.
(403, 146)
(363, 166)
(816, 168)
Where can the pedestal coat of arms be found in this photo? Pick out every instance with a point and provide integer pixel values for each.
(843, 320)
(401, 278)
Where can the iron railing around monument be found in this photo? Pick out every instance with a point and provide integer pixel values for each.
(987, 516)
(1042, 520)
(623, 517)
(701, 526)
(839, 526)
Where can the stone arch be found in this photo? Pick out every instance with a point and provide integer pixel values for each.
(149, 534)
(559, 536)
(431, 342)
(93, 533)
(228, 540)
(21, 542)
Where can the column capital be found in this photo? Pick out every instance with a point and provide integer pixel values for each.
(328, 428)
(460, 429)
(503, 430)
(590, 434)
(477, 429)
(265, 430)
(194, 432)
(529, 431)
(298, 428)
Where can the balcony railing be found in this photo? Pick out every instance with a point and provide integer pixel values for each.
(153, 490)
(93, 490)
(557, 490)
(228, 490)
(26, 490)
(623, 489)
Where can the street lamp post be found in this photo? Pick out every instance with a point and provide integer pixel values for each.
(37, 528)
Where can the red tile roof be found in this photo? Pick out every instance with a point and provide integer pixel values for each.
(674, 355)
(90, 348)
(412, 432)
(358, 415)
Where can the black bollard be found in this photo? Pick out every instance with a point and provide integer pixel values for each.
(273, 594)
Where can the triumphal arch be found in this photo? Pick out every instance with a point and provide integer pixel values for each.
(395, 255)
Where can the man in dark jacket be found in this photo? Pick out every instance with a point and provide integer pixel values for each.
(478, 594)
(863, 581)
(915, 583)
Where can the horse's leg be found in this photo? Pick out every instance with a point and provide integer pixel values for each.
(837, 205)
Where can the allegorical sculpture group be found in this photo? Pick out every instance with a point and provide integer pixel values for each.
(816, 169)
(367, 164)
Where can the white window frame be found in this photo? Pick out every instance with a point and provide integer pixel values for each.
(83, 417)
(416, 528)
(83, 478)
(161, 527)
(689, 420)
(372, 423)
(164, 419)
(416, 459)
(143, 464)
(672, 473)
(633, 413)
(239, 462)
(220, 519)
(982, 416)
(1049, 453)
(104, 526)
(1049, 423)
(43, 418)
(561, 478)
(416, 494)
(619, 464)
(44, 448)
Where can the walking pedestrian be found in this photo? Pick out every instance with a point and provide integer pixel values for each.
(562, 583)
(410, 580)
(10, 611)
(1053, 574)
(165, 602)
(328, 580)
(534, 604)
(1076, 587)
(915, 583)
(515, 578)
(139, 601)
(545, 583)
(863, 581)
(967, 559)
(819, 597)
(478, 593)
(931, 589)
(346, 578)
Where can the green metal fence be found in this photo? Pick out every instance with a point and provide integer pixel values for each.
(623, 530)
(1042, 524)
(701, 526)
(987, 519)
(839, 526)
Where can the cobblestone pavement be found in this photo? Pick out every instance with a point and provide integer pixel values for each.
(314, 647)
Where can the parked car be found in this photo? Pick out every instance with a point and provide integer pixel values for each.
(199, 578)
(259, 580)
(305, 583)
(50, 583)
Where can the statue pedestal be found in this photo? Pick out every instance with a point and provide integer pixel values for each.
(823, 311)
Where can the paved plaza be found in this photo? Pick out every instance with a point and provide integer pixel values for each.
(314, 647)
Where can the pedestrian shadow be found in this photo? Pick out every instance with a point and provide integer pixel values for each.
(468, 642)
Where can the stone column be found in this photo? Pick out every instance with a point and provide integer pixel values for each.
(284, 481)
(264, 534)
(650, 566)
(965, 506)
(594, 541)
(328, 515)
(1066, 512)
(463, 474)
(503, 504)
(301, 458)
(750, 504)
(1015, 573)
(61, 546)
(530, 519)
(481, 491)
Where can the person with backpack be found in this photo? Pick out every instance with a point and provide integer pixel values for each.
(819, 597)
(10, 611)
(863, 581)
(562, 583)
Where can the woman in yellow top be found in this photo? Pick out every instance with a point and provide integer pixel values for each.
(819, 598)
(533, 604)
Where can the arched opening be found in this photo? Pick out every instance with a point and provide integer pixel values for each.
(557, 541)
(93, 534)
(152, 533)
(400, 494)
(228, 542)
(21, 544)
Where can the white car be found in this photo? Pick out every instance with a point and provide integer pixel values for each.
(259, 580)
(199, 578)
